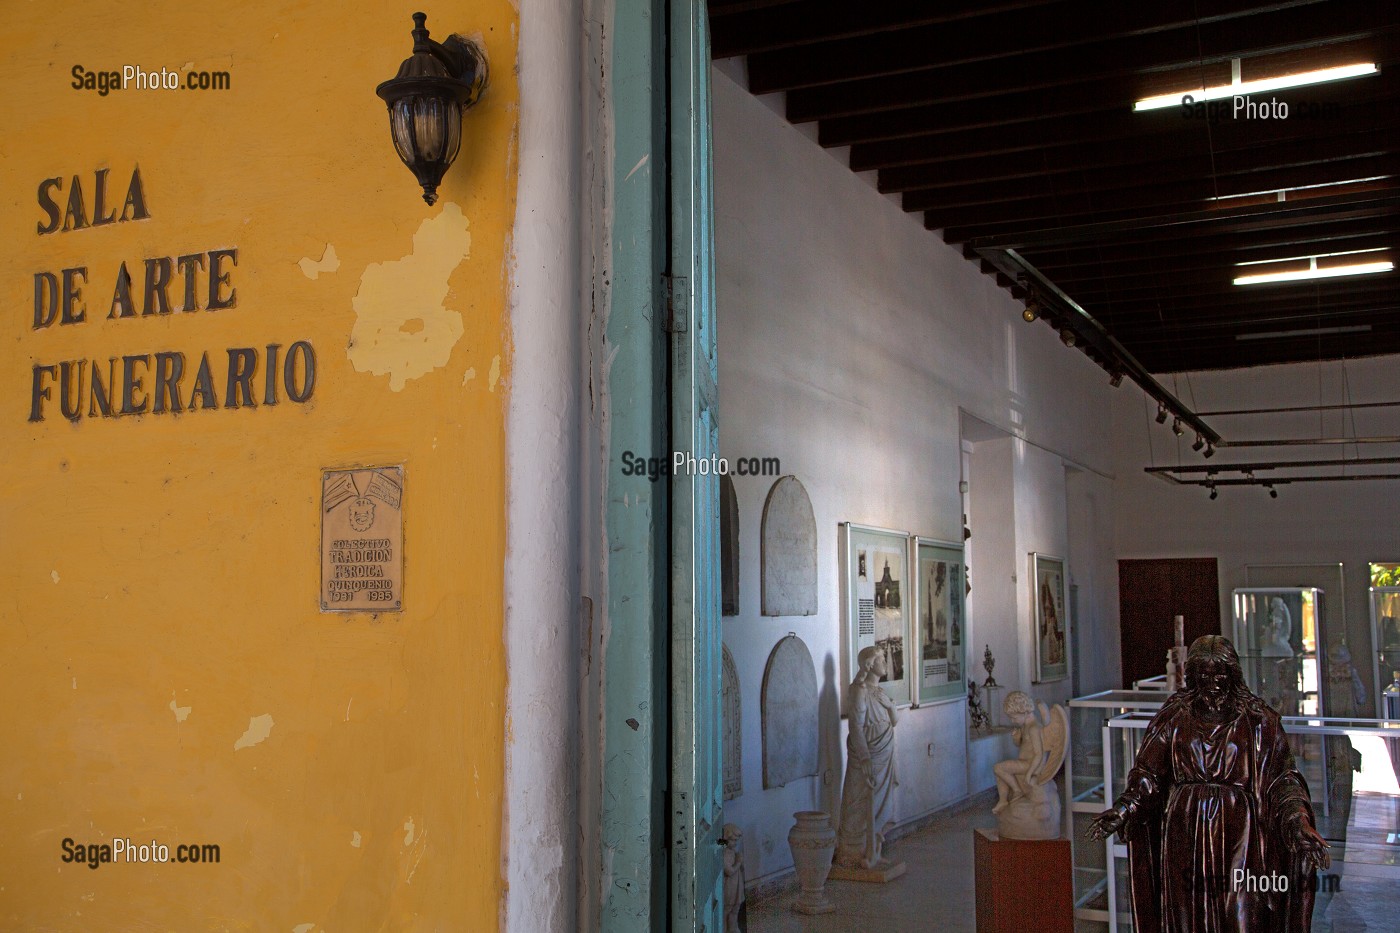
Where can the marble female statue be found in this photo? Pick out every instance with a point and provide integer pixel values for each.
(867, 795)
(1218, 819)
(1279, 630)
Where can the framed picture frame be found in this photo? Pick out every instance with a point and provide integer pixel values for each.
(1050, 619)
(875, 607)
(939, 672)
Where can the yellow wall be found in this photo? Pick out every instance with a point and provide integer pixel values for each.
(159, 573)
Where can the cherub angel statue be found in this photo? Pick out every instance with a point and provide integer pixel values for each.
(1028, 799)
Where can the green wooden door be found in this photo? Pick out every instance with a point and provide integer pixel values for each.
(696, 776)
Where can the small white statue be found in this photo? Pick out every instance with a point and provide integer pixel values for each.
(1028, 799)
(734, 919)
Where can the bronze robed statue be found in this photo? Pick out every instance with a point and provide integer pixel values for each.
(1218, 820)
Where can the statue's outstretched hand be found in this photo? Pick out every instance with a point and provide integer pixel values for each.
(1106, 824)
(1309, 846)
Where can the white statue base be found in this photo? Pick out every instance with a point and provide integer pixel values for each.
(1033, 815)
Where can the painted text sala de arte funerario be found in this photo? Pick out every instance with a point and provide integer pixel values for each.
(155, 382)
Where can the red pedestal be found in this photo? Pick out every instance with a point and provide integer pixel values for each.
(1023, 884)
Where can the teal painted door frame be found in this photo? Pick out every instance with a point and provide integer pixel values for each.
(654, 863)
(696, 797)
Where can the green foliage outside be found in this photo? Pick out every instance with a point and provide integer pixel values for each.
(1385, 574)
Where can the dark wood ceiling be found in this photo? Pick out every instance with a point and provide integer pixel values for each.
(1010, 127)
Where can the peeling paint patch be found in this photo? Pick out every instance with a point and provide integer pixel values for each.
(418, 856)
(494, 376)
(347, 709)
(354, 839)
(636, 168)
(303, 928)
(470, 375)
(312, 268)
(75, 683)
(182, 712)
(408, 832)
(259, 728)
(54, 576)
(395, 293)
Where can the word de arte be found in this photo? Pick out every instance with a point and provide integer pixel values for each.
(158, 383)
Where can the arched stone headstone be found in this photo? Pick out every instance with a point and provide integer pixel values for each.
(789, 551)
(728, 546)
(789, 702)
(732, 723)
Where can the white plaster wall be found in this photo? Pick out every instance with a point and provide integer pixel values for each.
(542, 512)
(850, 338)
(1350, 522)
(1093, 567)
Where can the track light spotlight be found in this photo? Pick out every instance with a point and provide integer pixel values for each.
(1210, 451)
(1115, 379)
(1066, 336)
(1161, 412)
(1177, 429)
(1200, 442)
(1273, 493)
(1032, 311)
(1214, 493)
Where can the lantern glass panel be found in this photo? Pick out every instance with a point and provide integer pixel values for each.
(454, 131)
(401, 129)
(428, 122)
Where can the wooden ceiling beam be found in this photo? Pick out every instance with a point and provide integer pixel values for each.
(1242, 220)
(995, 93)
(1243, 353)
(1038, 41)
(1110, 254)
(1168, 159)
(778, 28)
(1070, 277)
(1122, 129)
(1296, 297)
(1144, 202)
(1210, 331)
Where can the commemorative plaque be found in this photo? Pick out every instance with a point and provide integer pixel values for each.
(362, 540)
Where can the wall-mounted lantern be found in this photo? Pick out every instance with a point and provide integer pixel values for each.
(426, 99)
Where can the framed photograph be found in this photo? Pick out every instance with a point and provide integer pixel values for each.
(940, 652)
(876, 607)
(1050, 615)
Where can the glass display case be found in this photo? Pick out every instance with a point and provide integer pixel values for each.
(1280, 639)
(1385, 635)
(1084, 794)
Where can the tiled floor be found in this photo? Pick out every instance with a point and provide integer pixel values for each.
(934, 894)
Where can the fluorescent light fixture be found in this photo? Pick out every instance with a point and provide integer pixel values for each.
(1282, 193)
(1310, 332)
(1313, 256)
(1238, 87)
(1313, 272)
